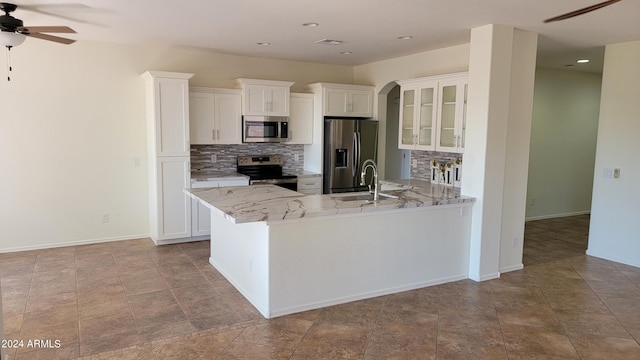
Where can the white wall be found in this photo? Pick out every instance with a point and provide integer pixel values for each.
(73, 121)
(614, 233)
(563, 143)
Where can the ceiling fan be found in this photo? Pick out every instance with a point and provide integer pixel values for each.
(13, 32)
(582, 11)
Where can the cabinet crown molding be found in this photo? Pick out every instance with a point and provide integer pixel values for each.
(246, 81)
(462, 74)
(322, 85)
(152, 74)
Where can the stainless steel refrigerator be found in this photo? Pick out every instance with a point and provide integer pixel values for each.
(347, 144)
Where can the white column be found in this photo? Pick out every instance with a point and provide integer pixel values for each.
(613, 233)
(514, 204)
(501, 73)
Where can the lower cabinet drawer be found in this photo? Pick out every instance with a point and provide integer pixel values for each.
(310, 185)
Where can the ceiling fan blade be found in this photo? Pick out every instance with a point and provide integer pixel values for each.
(56, 10)
(582, 11)
(57, 39)
(52, 29)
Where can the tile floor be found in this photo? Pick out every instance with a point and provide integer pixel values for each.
(132, 300)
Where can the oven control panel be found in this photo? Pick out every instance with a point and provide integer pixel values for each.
(252, 160)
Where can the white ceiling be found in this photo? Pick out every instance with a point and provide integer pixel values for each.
(369, 28)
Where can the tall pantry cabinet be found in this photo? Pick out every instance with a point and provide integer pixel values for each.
(167, 101)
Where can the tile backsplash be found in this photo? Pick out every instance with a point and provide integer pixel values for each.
(226, 155)
(423, 170)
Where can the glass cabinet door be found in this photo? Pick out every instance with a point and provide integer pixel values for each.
(448, 117)
(408, 110)
(425, 125)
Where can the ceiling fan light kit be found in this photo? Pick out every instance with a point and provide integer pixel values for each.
(11, 39)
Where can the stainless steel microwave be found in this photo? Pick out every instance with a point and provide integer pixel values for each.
(265, 128)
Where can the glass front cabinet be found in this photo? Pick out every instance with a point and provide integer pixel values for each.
(417, 116)
(433, 113)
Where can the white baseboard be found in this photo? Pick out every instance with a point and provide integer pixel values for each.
(553, 216)
(181, 240)
(74, 243)
(512, 268)
(614, 259)
(480, 278)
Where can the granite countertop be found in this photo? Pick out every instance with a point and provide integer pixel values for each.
(255, 203)
(220, 175)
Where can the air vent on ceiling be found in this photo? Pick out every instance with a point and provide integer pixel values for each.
(329, 42)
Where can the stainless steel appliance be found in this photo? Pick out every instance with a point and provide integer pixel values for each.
(265, 128)
(266, 169)
(347, 144)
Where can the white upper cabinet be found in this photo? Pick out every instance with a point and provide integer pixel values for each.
(418, 113)
(168, 112)
(345, 100)
(452, 115)
(348, 100)
(433, 113)
(215, 116)
(301, 119)
(265, 97)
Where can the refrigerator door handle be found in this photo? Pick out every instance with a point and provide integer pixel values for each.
(356, 158)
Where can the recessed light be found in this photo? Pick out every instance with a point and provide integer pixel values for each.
(582, 61)
(346, 53)
(264, 43)
(405, 37)
(329, 42)
(310, 24)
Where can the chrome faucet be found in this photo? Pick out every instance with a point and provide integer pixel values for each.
(370, 164)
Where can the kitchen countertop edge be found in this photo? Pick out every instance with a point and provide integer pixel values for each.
(270, 203)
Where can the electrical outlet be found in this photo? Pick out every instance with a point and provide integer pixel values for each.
(515, 242)
(296, 157)
(532, 202)
(214, 158)
(414, 163)
(136, 162)
(104, 218)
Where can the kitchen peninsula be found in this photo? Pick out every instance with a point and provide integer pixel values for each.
(288, 252)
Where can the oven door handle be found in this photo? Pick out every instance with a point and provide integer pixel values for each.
(273, 181)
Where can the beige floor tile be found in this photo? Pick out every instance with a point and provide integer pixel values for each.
(334, 341)
(282, 332)
(601, 347)
(134, 300)
(527, 340)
